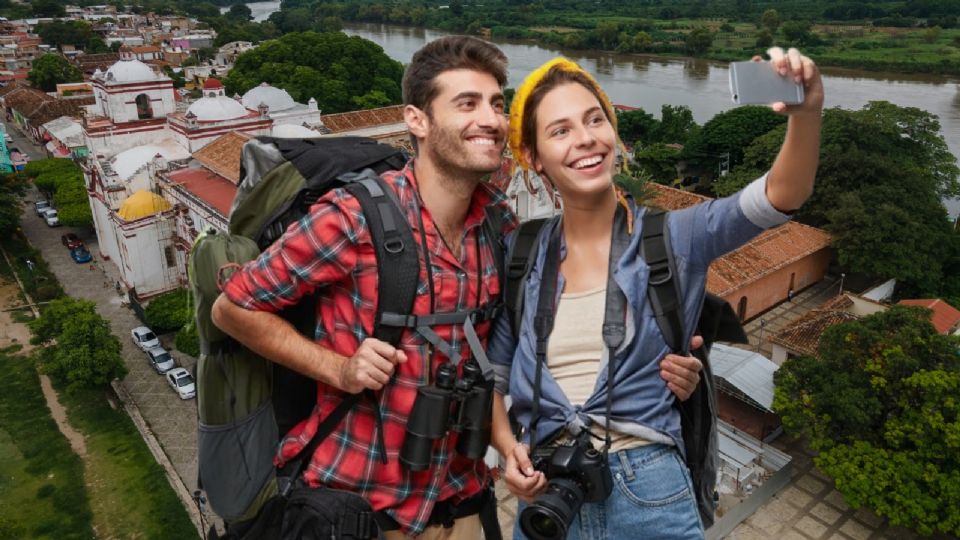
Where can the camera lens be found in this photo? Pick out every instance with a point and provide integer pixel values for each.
(549, 516)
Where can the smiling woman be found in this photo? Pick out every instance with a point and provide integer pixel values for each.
(564, 128)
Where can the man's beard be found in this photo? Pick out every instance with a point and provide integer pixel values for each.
(453, 156)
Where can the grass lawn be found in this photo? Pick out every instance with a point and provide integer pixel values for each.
(130, 495)
(42, 491)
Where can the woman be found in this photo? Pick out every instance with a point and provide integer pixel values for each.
(564, 128)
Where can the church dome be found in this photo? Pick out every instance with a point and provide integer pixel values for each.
(212, 109)
(128, 70)
(276, 98)
(142, 204)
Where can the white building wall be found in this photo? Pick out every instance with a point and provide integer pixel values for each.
(122, 107)
(108, 144)
(144, 265)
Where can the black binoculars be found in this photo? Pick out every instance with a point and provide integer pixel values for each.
(461, 405)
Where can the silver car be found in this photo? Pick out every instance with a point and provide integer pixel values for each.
(160, 359)
(144, 338)
(182, 382)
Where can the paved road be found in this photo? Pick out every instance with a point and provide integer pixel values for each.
(808, 508)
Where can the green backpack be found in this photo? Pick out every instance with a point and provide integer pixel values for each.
(241, 413)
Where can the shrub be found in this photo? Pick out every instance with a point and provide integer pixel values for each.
(168, 312)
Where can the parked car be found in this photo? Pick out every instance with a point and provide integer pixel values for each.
(71, 240)
(160, 359)
(80, 255)
(182, 382)
(41, 207)
(144, 338)
(52, 217)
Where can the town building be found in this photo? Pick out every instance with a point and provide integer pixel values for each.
(945, 318)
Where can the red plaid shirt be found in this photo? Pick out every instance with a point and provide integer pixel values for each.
(331, 248)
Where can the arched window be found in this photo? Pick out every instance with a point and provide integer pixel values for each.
(144, 109)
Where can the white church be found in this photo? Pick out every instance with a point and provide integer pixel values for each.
(134, 133)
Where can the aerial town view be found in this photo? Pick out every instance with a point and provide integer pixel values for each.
(283, 269)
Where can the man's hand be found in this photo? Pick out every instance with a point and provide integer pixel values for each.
(522, 479)
(682, 373)
(370, 367)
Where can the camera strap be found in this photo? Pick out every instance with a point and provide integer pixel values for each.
(614, 325)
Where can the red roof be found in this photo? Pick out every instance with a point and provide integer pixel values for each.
(945, 317)
(212, 84)
(208, 186)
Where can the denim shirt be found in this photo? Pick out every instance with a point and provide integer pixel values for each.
(642, 404)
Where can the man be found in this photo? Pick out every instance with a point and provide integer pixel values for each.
(454, 111)
(454, 107)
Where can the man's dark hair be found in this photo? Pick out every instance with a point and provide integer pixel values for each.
(445, 54)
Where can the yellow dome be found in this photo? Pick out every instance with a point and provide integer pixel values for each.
(142, 204)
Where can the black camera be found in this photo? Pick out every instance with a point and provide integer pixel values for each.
(576, 473)
(461, 405)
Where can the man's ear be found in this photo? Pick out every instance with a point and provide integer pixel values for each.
(418, 123)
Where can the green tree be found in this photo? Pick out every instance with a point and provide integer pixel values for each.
(79, 348)
(699, 40)
(676, 124)
(770, 20)
(764, 39)
(239, 13)
(883, 173)
(729, 133)
(797, 32)
(12, 189)
(658, 160)
(48, 8)
(52, 69)
(62, 180)
(637, 127)
(881, 406)
(331, 67)
(169, 311)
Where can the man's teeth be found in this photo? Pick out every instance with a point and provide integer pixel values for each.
(482, 141)
(587, 162)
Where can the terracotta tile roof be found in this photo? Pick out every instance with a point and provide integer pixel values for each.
(945, 317)
(145, 49)
(50, 110)
(362, 119)
(13, 86)
(222, 156)
(88, 63)
(26, 100)
(208, 186)
(772, 249)
(803, 335)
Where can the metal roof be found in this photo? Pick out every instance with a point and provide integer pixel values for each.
(748, 372)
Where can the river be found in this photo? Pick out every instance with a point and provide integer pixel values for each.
(259, 10)
(650, 82)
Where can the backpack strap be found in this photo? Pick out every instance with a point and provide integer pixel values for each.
(662, 288)
(398, 264)
(521, 257)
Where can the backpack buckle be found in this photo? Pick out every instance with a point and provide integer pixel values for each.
(516, 269)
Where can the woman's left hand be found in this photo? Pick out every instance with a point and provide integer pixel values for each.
(682, 373)
(802, 70)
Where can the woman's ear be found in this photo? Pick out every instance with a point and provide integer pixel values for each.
(417, 121)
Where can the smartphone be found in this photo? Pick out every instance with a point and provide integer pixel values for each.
(756, 83)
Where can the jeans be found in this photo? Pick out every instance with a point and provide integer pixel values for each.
(652, 498)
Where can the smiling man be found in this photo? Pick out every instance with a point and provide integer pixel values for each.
(454, 111)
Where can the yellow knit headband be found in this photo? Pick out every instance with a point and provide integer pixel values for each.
(532, 81)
